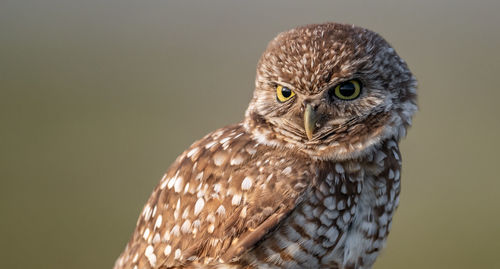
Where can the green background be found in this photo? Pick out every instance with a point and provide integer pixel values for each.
(97, 98)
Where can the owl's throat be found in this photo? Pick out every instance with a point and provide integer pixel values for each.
(344, 141)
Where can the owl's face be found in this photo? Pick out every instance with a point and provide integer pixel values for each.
(331, 91)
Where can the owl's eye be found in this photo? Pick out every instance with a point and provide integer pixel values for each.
(348, 90)
(283, 94)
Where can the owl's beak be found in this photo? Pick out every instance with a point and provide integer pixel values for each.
(310, 119)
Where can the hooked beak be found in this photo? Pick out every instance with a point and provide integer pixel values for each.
(310, 119)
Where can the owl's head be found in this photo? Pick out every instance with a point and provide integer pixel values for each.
(332, 91)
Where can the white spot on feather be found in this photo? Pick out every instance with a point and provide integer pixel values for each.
(147, 213)
(332, 234)
(171, 182)
(236, 199)
(185, 214)
(396, 155)
(238, 159)
(221, 210)
(166, 236)
(168, 250)
(250, 150)
(391, 174)
(154, 211)
(186, 226)
(217, 187)
(178, 184)
(343, 189)
(156, 238)
(163, 181)
(391, 144)
(192, 152)
(341, 205)
(287, 170)
(210, 144)
(177, 254)
(158, 222)
(224, 140)
(269, 177)
(163, 184)
(339, 168)
(175, 230)
(329, 202)
(243, 213)
(220, 158)
(149, 253)
(146, 234)
(211, 218)
(200, 203)
(246, 184)
(380, 156)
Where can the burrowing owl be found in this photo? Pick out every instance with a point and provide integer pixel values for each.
(309, 179)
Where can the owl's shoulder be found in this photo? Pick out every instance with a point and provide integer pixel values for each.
(231, 154)
(219, 198)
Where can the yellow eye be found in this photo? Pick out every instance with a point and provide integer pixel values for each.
(348, 90)
(283, 94)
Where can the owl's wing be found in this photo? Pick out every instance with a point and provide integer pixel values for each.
(220, 197)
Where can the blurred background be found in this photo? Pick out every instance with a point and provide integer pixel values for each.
(97, 98)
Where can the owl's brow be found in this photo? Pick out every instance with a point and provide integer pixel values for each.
(337, 80)
(288, 85)
(282, 83)
(331, 84)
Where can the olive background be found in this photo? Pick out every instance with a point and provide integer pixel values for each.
(97, 98)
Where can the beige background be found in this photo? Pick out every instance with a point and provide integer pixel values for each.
(97, 98)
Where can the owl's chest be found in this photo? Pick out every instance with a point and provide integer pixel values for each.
(309, 236)
(331, 225)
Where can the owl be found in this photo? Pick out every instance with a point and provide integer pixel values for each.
(310, 178)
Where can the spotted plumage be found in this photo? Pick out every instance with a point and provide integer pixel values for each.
(309, 179)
